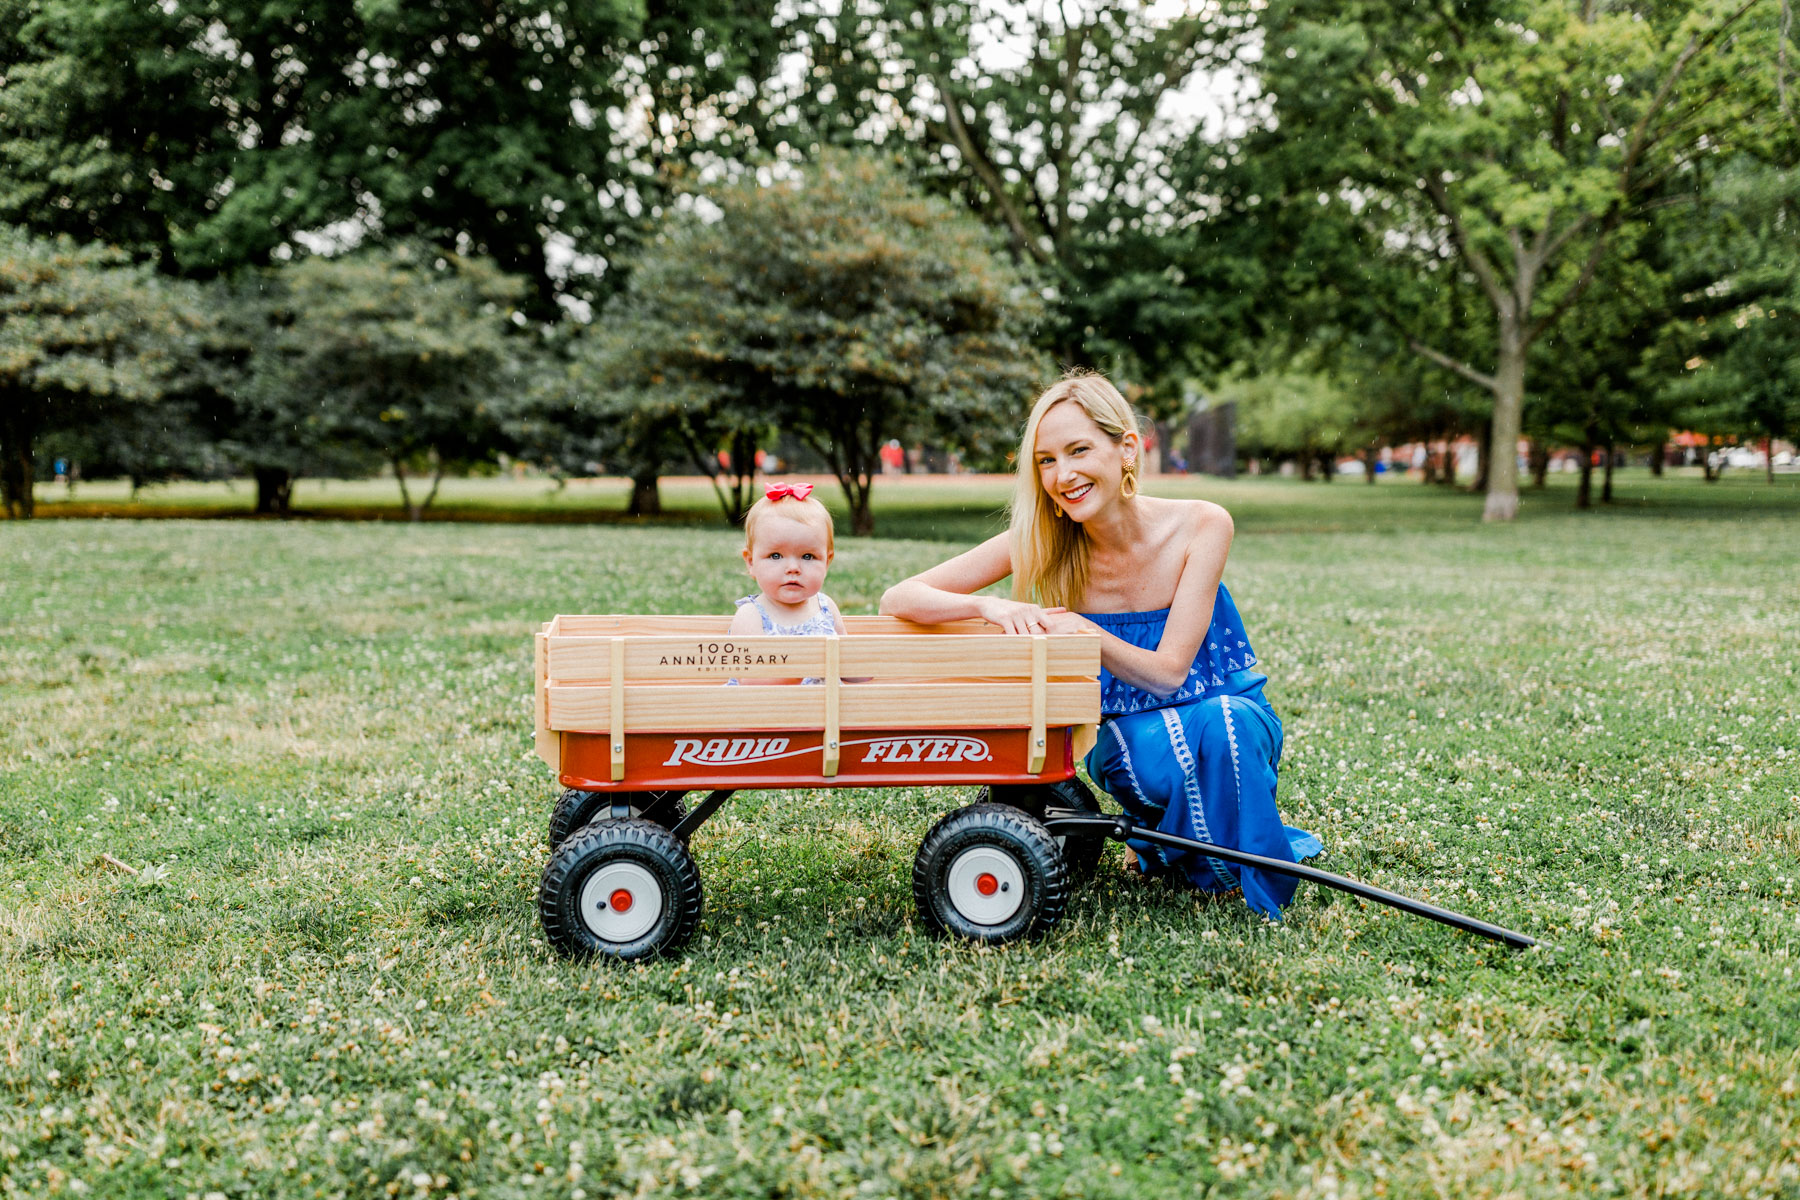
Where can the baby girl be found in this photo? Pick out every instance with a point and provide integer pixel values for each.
(788, 548)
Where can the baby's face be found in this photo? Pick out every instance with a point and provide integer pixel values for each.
(788, 559)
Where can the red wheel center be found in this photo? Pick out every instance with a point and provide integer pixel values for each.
(986, 884)
(621, 900)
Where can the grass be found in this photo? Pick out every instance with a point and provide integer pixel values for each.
(312, 741)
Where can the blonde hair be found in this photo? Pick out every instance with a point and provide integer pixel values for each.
(808, 512)
(1049, 551)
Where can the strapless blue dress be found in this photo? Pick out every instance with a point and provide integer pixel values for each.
(1200, 763)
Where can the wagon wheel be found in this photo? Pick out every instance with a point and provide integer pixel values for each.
(990, 873)
(623, 889)
(1081, 850)
(575, 808)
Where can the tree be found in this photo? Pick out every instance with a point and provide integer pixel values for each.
(396, 352)
(1514, 142)
(1728, 355)
(80, 329)
(216, 134)
(842, 305)
(1077, 131)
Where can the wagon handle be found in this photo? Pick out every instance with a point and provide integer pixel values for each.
(1120, 828)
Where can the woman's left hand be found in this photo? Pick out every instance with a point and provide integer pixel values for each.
(1064, 621)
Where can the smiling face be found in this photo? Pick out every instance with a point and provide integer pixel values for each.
(788, 559)
(1079, 465)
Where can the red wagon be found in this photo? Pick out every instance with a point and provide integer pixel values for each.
(635, 712)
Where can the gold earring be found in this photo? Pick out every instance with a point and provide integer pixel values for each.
(1128, 482)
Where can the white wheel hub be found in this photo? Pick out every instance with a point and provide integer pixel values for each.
(986, 885)
(621, 902)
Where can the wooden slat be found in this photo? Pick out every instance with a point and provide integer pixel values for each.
(651, 625)
(833, 685)
(549, 745)
(710, 708)
(1040, 656)
(616, 699)
(588, 659)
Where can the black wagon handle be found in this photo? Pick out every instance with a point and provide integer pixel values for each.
(1120, 828)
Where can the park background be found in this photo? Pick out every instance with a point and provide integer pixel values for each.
(477, 311)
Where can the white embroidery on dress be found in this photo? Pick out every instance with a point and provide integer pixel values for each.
(1190, 782)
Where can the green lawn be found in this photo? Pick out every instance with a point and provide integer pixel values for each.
(313, 741)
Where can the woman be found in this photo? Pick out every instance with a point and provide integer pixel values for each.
(1189, 744)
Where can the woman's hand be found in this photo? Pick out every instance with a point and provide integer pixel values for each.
(1061, 620)
(1016, 616)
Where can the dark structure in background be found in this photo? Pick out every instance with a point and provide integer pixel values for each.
(1212, 441)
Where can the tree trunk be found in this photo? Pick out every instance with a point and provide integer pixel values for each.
(412, 513)
(1606, 495)
(1509, 406)
(1371, 457)
(1306, 466)
(1584, 491)
(1539, 460)
(646, 499)
(1706, 463)
(1658, 453)
(1448, 476)
(1428, 473)
(1769, 460)
(437, 481)
(274, 490)
(18, 435)
(1483, 453)
(1327, 465)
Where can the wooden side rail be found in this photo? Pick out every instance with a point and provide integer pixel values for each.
(614, 675)
(588, 659)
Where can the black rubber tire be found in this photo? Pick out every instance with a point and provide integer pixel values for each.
(593, 846)
(575, 808)
(1082, 851)
(1015, 833)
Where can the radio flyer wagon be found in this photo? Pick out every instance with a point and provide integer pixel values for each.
(633, 713)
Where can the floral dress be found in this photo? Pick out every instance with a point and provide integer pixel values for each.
(1200, 763)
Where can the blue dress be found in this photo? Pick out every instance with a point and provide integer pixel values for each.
(1200, 763)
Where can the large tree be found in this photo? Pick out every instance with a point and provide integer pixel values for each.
(841, 305)
(1076, 130)
(215, 134)
(1515, 143)
(397, 352)
(82, 330)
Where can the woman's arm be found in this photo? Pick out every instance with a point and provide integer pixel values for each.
(1163, 670)
(944, 593)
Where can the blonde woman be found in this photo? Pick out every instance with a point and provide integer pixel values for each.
(1189, 744)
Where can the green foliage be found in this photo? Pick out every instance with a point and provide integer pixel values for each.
(81, 331)
(1518, 144)
(841, 305)
(400, 353)
(1076, 131)
(214, 134)
(1729, 357)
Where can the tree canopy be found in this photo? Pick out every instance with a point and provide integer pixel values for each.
(841, 305)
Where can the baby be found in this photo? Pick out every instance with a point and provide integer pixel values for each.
(788, 548)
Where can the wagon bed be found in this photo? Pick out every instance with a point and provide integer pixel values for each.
(637, 703)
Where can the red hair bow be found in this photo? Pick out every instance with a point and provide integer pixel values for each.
(780, 491)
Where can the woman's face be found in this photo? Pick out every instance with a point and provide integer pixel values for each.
(1077, 463)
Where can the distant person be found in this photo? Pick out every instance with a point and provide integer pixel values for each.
(1188, 743)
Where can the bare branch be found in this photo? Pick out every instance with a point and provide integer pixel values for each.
(1453, 364)
(1472, 254)
(984, 170)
